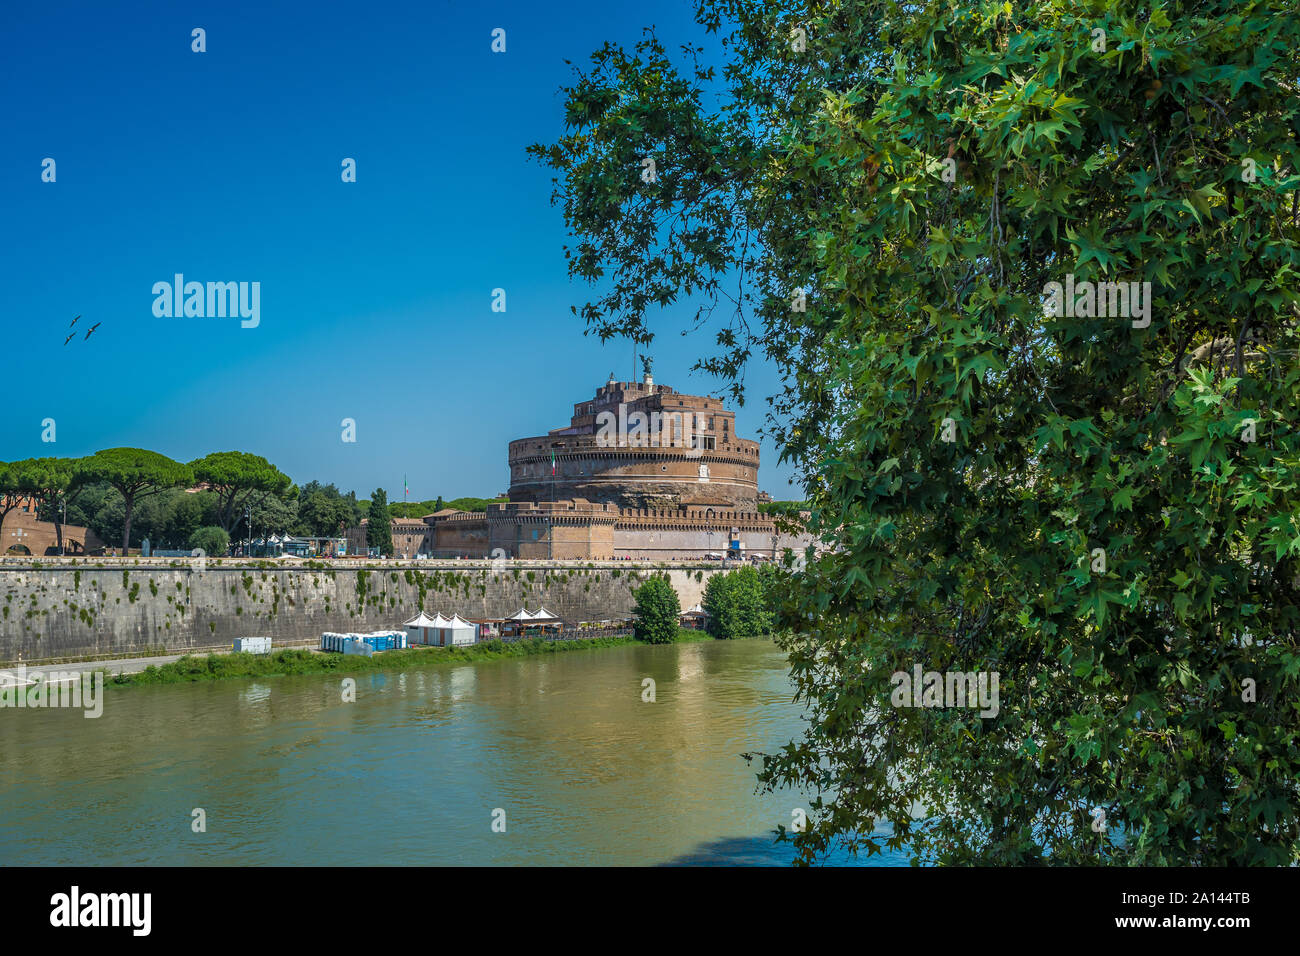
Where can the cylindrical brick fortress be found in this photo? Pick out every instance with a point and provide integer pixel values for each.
(640, 445)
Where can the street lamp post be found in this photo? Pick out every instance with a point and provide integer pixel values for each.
(248, 531)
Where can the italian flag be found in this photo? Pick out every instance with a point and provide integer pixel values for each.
(552, 462)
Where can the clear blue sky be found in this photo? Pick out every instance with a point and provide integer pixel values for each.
(375, 295)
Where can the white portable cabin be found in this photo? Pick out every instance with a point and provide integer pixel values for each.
(375, 640)
(396, 639)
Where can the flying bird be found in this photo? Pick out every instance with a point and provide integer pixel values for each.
(69, 339)
(74, 322)
(92, 329)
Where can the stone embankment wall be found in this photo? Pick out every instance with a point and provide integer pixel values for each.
(61, 608)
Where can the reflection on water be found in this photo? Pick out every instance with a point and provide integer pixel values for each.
(764, 851)
(288, 773)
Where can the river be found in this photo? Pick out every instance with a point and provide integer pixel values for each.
(561, 749)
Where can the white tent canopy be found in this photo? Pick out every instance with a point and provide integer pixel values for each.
(541, 614)
(457, 630)
(419, 629)
(441, 631)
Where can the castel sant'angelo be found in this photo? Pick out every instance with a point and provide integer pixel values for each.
(640, 471)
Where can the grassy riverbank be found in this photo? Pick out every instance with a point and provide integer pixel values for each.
(289, 662)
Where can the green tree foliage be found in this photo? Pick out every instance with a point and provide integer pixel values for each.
(105, 513)
(736, 605)
(89, 499)
(182, 516)
(240, 481)
(47, 482)
(275, 515)
(211, 540)
(136, 474)
(418, 509)
(168, 516)
(657, 612)
(11, 494)
(379, 526)
(1101, 510)
(470, 503)
(774, 580)
(323, 511)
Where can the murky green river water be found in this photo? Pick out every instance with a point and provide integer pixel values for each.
(412, 772)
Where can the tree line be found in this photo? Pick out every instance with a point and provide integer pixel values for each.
(125, 495)
(738, 603)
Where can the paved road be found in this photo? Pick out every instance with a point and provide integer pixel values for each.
(123, 665)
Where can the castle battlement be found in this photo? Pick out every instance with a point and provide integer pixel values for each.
(640, 445)
(682, 488)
